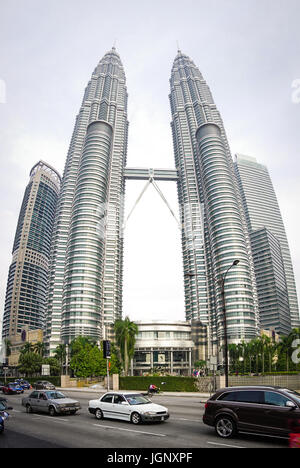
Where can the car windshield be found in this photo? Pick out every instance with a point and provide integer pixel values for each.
(55, 395)
(294, 394)
(137, 399)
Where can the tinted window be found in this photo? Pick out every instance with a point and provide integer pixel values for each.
(244, 396)
(34, 395)
(275, 399)
(107, 399)
(118, 399)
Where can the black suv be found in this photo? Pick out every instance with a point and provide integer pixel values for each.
(262, 410)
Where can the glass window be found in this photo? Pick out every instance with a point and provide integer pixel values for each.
(243, 397)
(118, 399)
(107, 398)
(34, 395)
(275, 399)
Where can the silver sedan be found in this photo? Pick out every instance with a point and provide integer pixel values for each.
(51, 402)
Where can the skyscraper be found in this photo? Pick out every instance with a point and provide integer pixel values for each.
(25, 302)
(215, 232)
(87, 252)
(262, 211)
(271, 282)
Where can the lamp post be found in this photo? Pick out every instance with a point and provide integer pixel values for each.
(225, 322)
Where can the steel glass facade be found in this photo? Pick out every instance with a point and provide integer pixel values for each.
(86, 270)
(215, 232)
(27, 284)
(262, 211)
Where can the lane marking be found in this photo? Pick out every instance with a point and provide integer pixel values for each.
(130, 430)
(225, 445)
(192, 420)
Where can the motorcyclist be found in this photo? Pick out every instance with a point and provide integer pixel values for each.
(153, 389)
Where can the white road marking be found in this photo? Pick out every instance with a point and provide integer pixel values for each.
(130, 430)
(50, 419)
(225, 445)
(192, 420)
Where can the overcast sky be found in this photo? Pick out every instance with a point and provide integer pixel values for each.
(247, 50)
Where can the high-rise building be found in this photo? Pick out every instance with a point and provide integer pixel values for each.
(271, 283)
(25, 302)
(85, 291)
(215, 232)
(262, 211)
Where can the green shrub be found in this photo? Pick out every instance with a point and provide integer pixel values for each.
(172, 384)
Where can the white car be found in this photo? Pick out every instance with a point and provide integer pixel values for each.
(128, 406)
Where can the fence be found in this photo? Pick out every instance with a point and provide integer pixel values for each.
(284, 381)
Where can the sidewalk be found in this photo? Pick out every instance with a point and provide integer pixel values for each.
(203, 396)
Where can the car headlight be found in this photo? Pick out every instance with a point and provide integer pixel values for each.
(150, 413)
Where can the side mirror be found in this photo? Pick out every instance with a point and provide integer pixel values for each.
(290, 404)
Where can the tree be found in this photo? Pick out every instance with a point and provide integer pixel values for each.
(87, 359)
(7, 344)
(39, 348)
(30, 363)
(27, 348)
(125, 332)
(54, 365)
(60, 354)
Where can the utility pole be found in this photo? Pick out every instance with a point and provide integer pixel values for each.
(225, 322)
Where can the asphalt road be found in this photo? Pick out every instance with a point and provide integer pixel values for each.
(184, 429)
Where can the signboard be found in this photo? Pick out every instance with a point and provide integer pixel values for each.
(45, 369)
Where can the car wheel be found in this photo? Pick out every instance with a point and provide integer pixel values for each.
(28, 409)
(135, 418)
(225, 427)
(52, 411)
(98, 414)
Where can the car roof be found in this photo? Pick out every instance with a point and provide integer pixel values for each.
(254, 387)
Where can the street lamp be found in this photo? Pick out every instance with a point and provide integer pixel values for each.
(225, 321)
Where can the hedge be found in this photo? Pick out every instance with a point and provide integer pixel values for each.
(172, 384)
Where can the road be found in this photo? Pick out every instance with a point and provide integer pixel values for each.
(184, 429)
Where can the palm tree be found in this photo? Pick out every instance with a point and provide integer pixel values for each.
(39, 348)
(61, 354)
(27, 348)
(7, 344)
(125, 332)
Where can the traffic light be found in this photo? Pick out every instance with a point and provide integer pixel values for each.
(106, 349)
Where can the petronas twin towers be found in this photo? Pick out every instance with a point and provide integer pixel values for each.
(85, 291)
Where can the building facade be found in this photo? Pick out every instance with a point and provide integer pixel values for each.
(214, 227)
(262, 211)
(87, 252)
(25, 302)
(167, 347)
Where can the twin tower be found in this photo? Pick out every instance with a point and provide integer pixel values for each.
(86, 268)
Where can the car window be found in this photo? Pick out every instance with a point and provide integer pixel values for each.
(55, 395)
(42, 396)
(244, 396)
(2, 406)
(118, 399)
(137, 399)
(275, 399)
(34, 395)
(107, 399)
